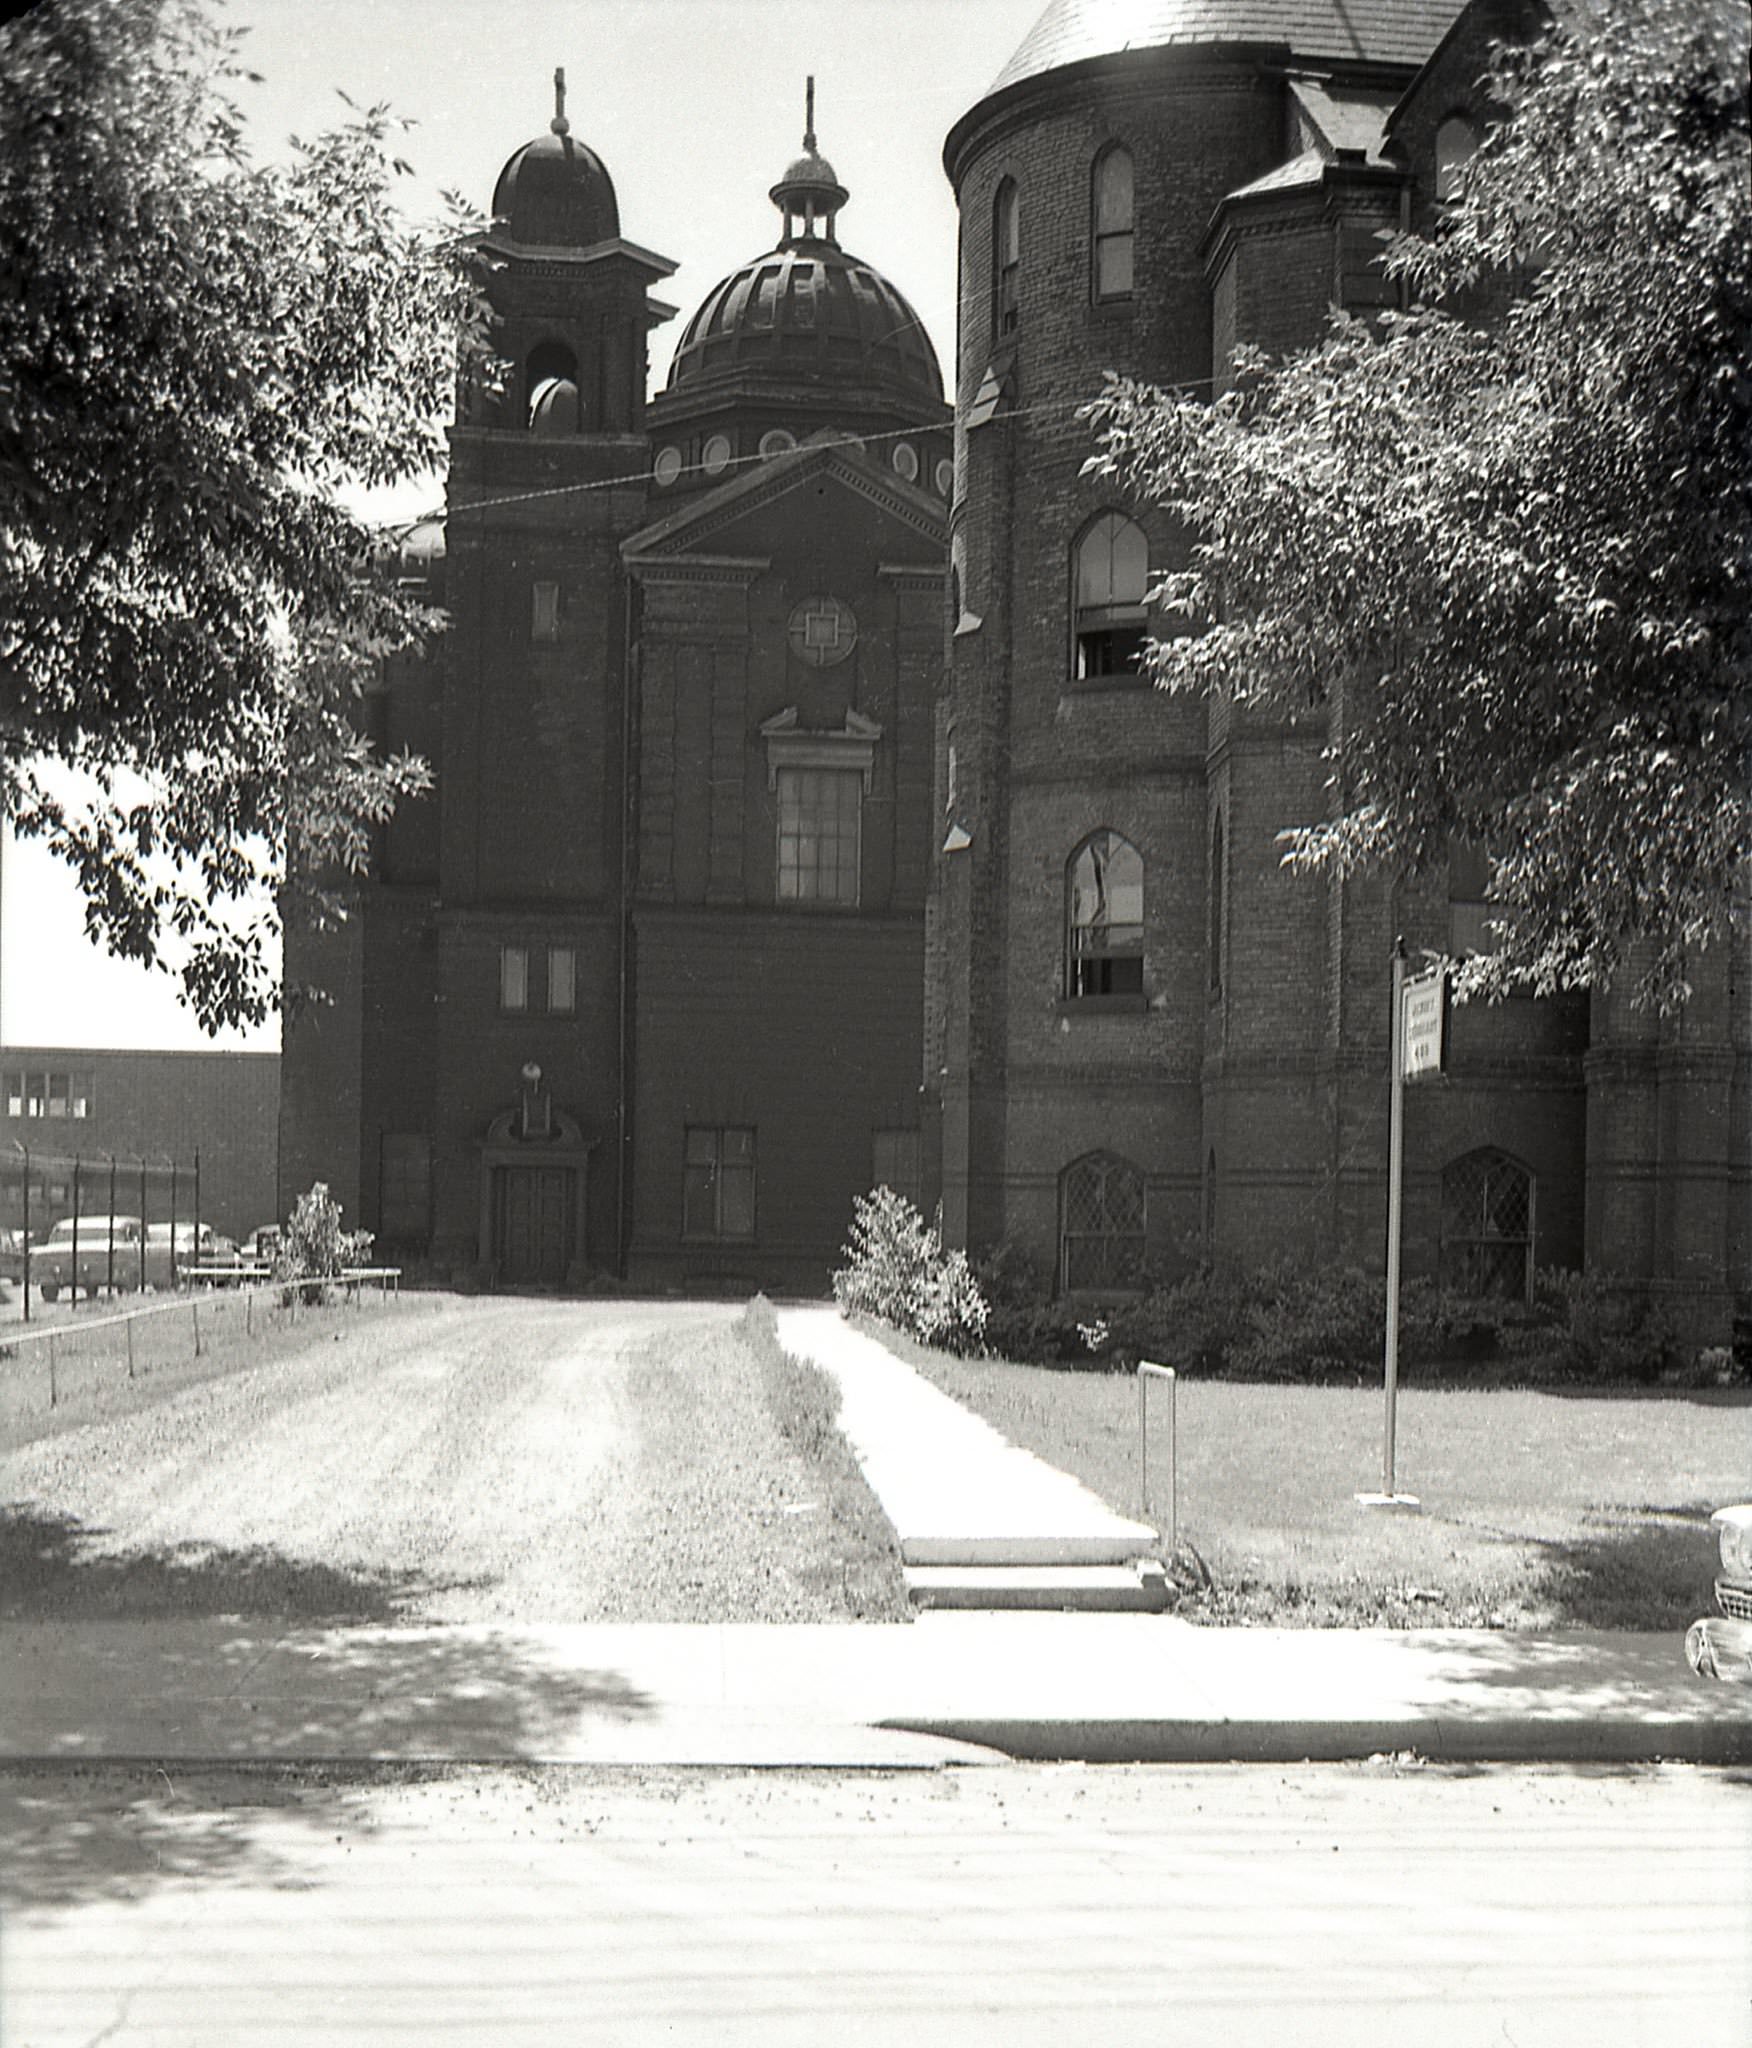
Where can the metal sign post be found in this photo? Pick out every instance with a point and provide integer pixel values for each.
(1417, 1042)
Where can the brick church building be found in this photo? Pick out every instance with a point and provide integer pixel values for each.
(1144, 1037)
(802, 821)
(636, 989)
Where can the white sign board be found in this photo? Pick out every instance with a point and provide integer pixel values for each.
(1425, 1012)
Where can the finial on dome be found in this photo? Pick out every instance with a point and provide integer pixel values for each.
(559, 124)
(809, 195)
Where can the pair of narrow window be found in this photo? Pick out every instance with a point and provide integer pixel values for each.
(1112, 238)
(562, 980)
(717, 1184)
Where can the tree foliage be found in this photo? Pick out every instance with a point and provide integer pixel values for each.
(196, 352)
(1510, 551)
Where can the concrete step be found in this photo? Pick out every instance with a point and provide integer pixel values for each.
(1138, 1586)
(998, 1539)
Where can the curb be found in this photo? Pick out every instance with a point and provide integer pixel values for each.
(1511, 1740)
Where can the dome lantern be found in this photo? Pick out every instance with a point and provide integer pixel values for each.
(809, 195)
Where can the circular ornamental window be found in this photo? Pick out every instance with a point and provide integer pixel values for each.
(822, 631)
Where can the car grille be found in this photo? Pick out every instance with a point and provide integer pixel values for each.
(1734, 1600)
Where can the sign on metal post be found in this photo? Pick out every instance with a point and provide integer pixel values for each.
(1426, 1011)
(1428, 1055)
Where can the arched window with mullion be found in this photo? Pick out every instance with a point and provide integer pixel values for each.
(1104, 918)
(1112, 578)
(1006, 260)
(1111, 237)
(1102, 1207)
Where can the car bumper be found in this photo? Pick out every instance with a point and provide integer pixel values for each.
(1718, 1647)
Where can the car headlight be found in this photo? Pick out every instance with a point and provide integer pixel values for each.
(1736, 1547)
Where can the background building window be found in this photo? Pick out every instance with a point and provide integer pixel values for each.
(818, 835)
(1112, 237)
(404, 1201)
(894, 1162)
(717, 1193)
(1101, 1240)
(1112, 575)
(1006, 260)
(1104, 918)
(562, 980)
(544, 614)
(59, 1094)
(1487, 1226)
(514, 978)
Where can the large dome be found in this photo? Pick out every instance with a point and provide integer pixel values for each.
(808, 313)
(1382, 31)
(556, 193)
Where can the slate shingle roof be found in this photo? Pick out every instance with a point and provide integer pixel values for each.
(1374, 31)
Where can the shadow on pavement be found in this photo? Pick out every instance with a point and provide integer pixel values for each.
(235, 1669)
(53, 1567)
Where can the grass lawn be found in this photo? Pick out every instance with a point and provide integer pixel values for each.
(1541, 1508)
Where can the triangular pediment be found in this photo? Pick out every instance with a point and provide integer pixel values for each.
(708, 520)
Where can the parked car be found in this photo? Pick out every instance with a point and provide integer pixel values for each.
(1720, 1645)
(11, 1254)
(140, 1258)
(76, 1254)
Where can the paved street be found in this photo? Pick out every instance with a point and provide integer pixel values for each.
(1002, 1905)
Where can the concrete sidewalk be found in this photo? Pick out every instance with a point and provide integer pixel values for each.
(949, 1687)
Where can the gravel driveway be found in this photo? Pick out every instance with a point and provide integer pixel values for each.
(469, 1461)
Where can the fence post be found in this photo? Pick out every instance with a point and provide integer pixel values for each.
(249, 1311)
(129, 1327)
(52, 1369)
(195, 1318)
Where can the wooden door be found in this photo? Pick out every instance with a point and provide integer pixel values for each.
(534, 1223)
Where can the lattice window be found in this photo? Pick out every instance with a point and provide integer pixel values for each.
(1101, 1232)
(1487, 1226)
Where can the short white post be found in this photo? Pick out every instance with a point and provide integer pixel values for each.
(1147, 1372)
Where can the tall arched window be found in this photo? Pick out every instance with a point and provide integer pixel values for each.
(1219, 857)
(1456, 139)
(1006, 259)
(1111, 209)
(1101, 1224)
(1104, 918)
(1112, 575)
(1487, 1226)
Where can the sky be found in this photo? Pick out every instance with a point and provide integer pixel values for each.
(696, 107)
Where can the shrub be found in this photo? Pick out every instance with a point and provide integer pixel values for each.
(1599, 1329)
(313, 1246)
(897, 1270)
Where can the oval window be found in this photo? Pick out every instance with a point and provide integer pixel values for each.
(667, 467)
(716, 455)
(945, 478)
(777, 442)
(906, 461)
